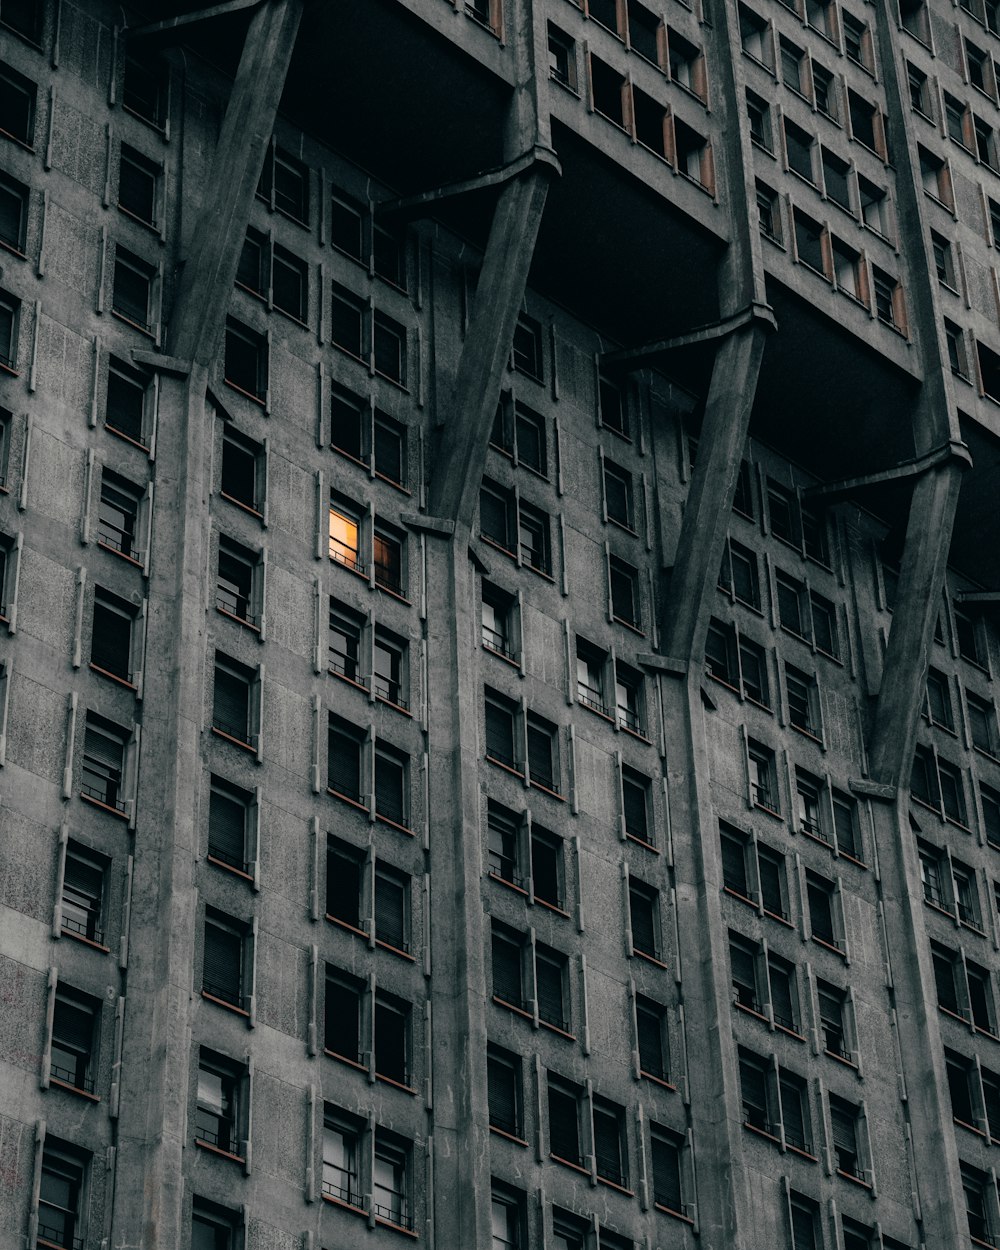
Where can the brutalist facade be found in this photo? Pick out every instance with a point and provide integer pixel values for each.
(499, 606)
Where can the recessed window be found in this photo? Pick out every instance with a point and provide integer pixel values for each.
(763, 777)
(608, 91)
(233, 701)
(693, 153)
(392, 908)
(60, 1194)
(743, 964)
(687, 64)
(10, 315)
(591, 663)
(284, 184)
(111, 642)
(389, 255)
(389, 347)
(618, 495)
(507, 1217)
(14, 198)
(535, 546)
(793, 66)
(17, 106)
(551, 988)
(128, 402)
(507, 966)
(629, 697)
(391, 1049)
(235, 586)
(644, 919)
(874, 203)
(958, 356)
(759, 113)
(543, 752)
(389, 664)
(527, 348)
(228, 818)
(666, 1149)
(857, 40)
(739, 574)
(503, 1071)
(144, 89)
(132, 289)
(798, 150)
(75, 1030)
(290, 283)
(803, 700)
(637, 805)
(846, 1144)
(242, 470)
(118, 515)
(809, 242)
(564, 1120)
(391, 785)
(500, 721)
(82, 904)
(625, 600)
(341, 1150)
(562, 57)
(498, 620)
(503, 844)
(25, 17)
(613, 408)
(246, 363)
(390, 1180)
(919, 89)
(347, 322)
(866, 123)
(213, 1227)
(217, 1102)
(103, 763)
(342, 1016)
(346, 222)
(138, 185)
(768, 212)
(224, 965)
(650, 119)
(344, 537)
(823, 910)
(610, 1149)
(387, 553)
(651, 1029)
(755, 37)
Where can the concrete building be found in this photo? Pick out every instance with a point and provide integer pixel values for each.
(498, 608)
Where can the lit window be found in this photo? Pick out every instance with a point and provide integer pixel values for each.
(344, 540)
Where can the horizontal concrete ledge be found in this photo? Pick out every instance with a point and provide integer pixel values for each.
(428, 524)
(872, 789)
(662, 664)
(162, 364)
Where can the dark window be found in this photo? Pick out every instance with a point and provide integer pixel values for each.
(618, 494)
(754, 1093)
(10, 313)
(643, 914)
(347, 321)
(212, 1226)
(591, 663)
(755, 36)
(982, 723)
(938, 703)
(743, 971)
(503, 1071)
(784, 999)
(739, 574)
(508, 973)
(651, 1028)
(734, 861)
(543, 752)
(666, 1151)
(83, 893)
(636, 797)
(392, 1037)
(75, 1029)
(496, 515)
(138, 181)
(527, 349)
(643, 31)
(968, 634)
(546, 867)
(793, 65)
(794, 1111)
(805, 1222)
(389, 449)
(614, 411)
(344, 755)
(103, 762)
(25, 17)
(629, 697)
(132, 289)
(625, 593)
(564, 1121)
(231, 699)
(809, 242)
(392, 892)
(529, 438)
(497, 621)
(144, 89)
(503, 851)
(803, 699)
(608, 91)
(228, 810)
(610, 1151)
(835, 179)
(223, 968)
(118, 514)
(763, 777)
(759, 113)
(389, 348)
(562, 57)
(344, 876)
(798, 148)
(60, 1196)
(874, 206)
(350, 422)
(346, 228)
(551, 988)
(888, 298)
(246, 361)
(833, 1019)
(342, 1016)
(389, 652)
(771, 875)
(845, 824)
(820, 894)
(17, 106)
(844, 1127)
(976, 1186)
(217, 1108)
(533, 527)
(500, 730)
(111, 636)
(389, 255)
(14, 197)
(126, 404)
(981, 1002)
(243, 470)
(234, 585)
(290, 283)
(391, 789)
(284, 183)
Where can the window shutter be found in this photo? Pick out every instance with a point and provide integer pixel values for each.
(222, 974)
(73, 1026)
(507, 972)
(500, 734)
(844, 1129)
(389, 800)
(502, 1097)
(666, 1174)
(231, 703)
(103, 748)
(344, 764)
(643, 923)
(227, 829)
(792, 1116)
(540, 756)
(744, 970)
(85, 881)
(608, 1146)
(390, 911)
(650, 1043)
(549, 988)
(111, 643)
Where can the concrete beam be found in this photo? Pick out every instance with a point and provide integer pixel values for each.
(412, 206)
(709, 501)
(209, 268)
(189, 19)
(462, 444)
(757, 312)
(952, 450)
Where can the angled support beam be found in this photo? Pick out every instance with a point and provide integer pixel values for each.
(925, 558)
(462, 442)
(412, 206)
(952, 450)
(189, 19)
(706, 511)
(209, 269)
(978, 596)
(757, 313)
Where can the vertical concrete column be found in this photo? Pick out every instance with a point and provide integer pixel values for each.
(148, 1206)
